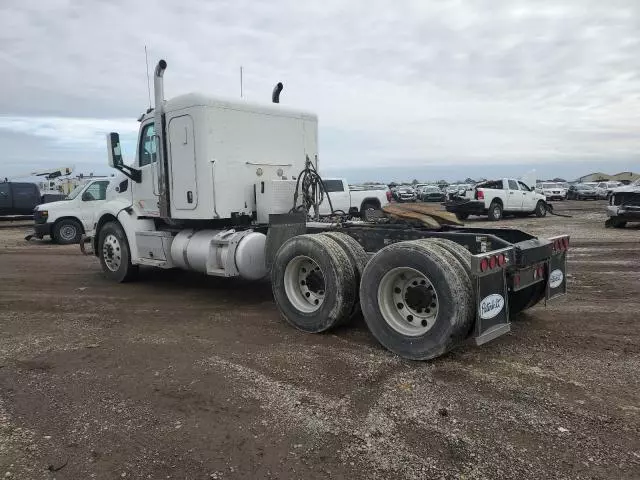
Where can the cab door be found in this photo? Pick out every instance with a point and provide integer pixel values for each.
(514, 197)
(145, 195)
(528, 199)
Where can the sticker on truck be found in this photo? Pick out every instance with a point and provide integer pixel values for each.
(556, 278)
(491, 305)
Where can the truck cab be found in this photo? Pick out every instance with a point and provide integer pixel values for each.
(18, 198)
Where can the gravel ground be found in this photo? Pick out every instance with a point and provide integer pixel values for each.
(188, 377)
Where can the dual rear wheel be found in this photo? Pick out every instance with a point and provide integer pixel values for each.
(416, 297)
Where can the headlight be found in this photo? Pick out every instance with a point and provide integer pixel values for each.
(44, 213)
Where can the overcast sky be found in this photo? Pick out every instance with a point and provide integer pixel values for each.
(395, 83)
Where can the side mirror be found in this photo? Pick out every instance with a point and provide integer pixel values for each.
(115, 158)
(113, 147)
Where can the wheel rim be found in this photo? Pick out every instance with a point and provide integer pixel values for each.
(408, 302)
(496, 212)
(304, 284)
(112, 253)
(68, 232)
(369, 213)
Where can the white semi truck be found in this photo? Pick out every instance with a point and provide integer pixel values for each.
(226, 188)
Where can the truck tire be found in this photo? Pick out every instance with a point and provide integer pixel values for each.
(495, 211)
(67, 231)
(114, 253)
(462, 261)
(615, 222)
(313, 283)
(367, 212)
(541, 209)
(358, 258)
(416, 300)
(525, 298)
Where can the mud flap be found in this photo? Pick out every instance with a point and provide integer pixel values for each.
(492, 299)
(557, 278)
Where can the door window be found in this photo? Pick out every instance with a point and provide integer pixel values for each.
(147, 153)
(513, 185)
(95, 191)
(333, 185)
(523, 187)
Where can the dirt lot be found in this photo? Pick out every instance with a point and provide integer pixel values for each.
(186, 377)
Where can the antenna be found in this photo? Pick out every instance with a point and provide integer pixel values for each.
(146, 59)
(241, 92)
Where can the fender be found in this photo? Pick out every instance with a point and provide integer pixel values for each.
(123, 211)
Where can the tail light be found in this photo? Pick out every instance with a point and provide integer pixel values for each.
(493, 261)
(561, 244)
(479, 195)
(388, 195)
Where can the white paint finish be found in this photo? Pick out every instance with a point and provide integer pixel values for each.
(145, 196)
(347, 199)
(182, 164)
(490, 306)
(236, 145)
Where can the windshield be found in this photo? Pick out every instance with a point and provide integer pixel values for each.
(549, 185)
(636, 183)
(585, 187)
(75, 192)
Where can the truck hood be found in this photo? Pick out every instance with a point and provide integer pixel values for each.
(627, 188)
(53, 205)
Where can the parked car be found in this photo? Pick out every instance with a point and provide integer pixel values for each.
(355, 201)
(65, 221)
(432, 193)
(457, 190)
(552, 190)
(624, 205)
(604, 189)
(581, 192)
(405, 194)
(496, 197)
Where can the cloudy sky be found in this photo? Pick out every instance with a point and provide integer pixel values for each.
(407, 84)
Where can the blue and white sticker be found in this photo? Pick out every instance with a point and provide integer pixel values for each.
(556, 278)
(491, 305)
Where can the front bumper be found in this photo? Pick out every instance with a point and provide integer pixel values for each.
(629, 212)
(42, 229)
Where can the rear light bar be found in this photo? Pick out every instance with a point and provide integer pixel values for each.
(492, 261)
(560, 244)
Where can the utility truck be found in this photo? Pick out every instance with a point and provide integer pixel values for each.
(229, 188)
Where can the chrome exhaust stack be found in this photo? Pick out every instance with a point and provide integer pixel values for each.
(159, 127)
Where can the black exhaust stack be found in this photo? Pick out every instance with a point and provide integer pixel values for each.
(275, 96)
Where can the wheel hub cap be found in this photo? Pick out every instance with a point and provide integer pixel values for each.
(304, 284)
(111, 253)
(408, 301)
(68, 232)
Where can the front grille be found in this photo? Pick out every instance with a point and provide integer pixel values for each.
(38, 217)
(626, 198)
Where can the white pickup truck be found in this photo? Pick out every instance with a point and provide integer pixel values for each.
(66, 220)
(356, 201)
(495, 198)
